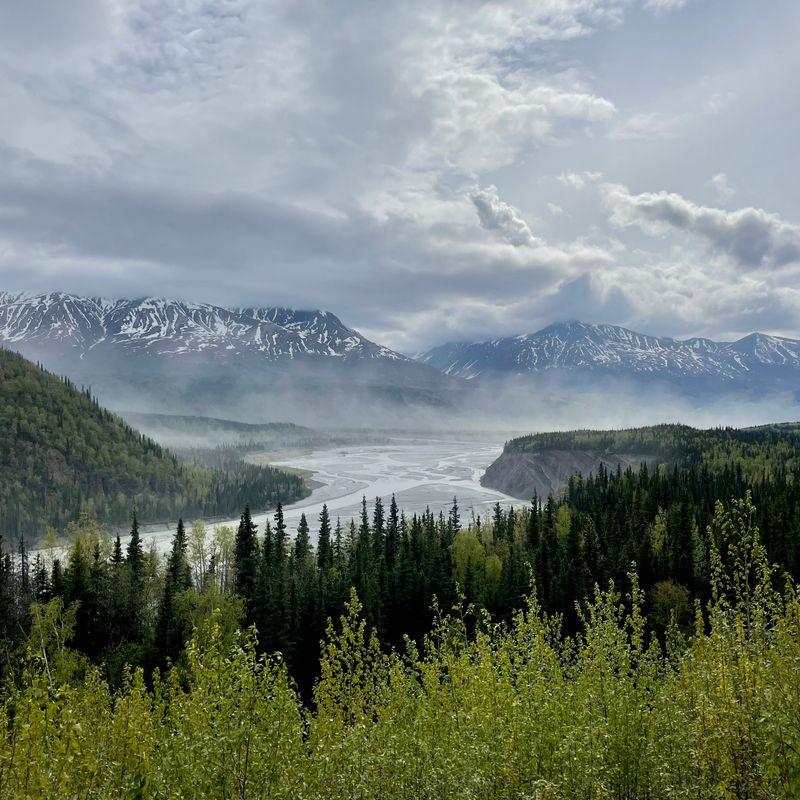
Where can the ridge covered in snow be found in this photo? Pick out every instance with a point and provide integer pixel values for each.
(171, 327)
(580, 346)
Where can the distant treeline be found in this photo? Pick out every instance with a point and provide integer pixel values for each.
(660, 520)
(757, 451)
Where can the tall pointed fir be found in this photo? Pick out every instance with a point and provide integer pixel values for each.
(378, 533)
(133, 615)
(280, 535)
(177, 578)
(392, 534)
(302, 542)
(245, 557)
(324, 547)
(454, 520)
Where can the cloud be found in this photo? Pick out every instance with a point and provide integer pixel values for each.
(310, 153)
(117, 239)
(45, 26)
(578, 180)
(751, 237)
(665, 5)
(650, 125)
(497, 215)
(722, 188)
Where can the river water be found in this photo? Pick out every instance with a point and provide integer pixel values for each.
(421, 472)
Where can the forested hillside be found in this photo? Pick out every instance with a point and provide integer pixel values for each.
(544, 462)
(62, 454)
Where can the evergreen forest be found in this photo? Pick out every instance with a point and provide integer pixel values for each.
(637, 636)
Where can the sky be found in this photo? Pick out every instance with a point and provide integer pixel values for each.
(429, 170)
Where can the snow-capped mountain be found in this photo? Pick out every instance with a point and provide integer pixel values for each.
(169, 327)
(256, 364)
(577, 346)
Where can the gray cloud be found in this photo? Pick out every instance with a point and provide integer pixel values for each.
(497, 215)
(722, 187)
(311, 153)
(752, 237)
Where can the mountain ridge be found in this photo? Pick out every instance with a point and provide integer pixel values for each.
(261, 363)
(64, 454)
(575, 345)
(173, 327)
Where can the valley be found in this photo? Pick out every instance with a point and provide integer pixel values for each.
(421, 472)
(399, 401)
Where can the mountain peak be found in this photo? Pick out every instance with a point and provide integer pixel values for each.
(577, 345)
(150, 325)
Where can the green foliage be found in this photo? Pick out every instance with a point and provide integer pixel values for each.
(61, 454)
(508, 711)
(757, 452)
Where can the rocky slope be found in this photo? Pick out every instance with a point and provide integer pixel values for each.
(159, 326)
(522, 474)
(577, 346)
(258, 363)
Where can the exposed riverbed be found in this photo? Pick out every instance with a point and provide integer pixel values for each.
(421, 472)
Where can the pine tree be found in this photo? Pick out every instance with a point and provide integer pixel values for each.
(454, 518)
(378, 533)
(392, 534)
(324, 547)
(280, 535)
(116, 557)
(302, 546)
(135, 555)
(498, 523)
(177, 578)
(338, 544)
(546, 562)
(77, 583)
(245, 557)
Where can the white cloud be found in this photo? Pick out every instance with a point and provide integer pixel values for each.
(751, 237)
(322, 154)
(579, 180)
(650, 125)
(665, 5)
(722, 188)
(497, 215)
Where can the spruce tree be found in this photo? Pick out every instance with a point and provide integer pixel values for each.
(302, 545)
(378, 533)
(392, 534)
(324, 547)
(454, 518)
(177, 578)
(280, 535)
(135, 554)
(116, 556)
(533, 525)
(245, 557)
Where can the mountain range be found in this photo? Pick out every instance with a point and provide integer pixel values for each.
(266, 363)
(256, 363)
(580, 347)
(156, 326)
